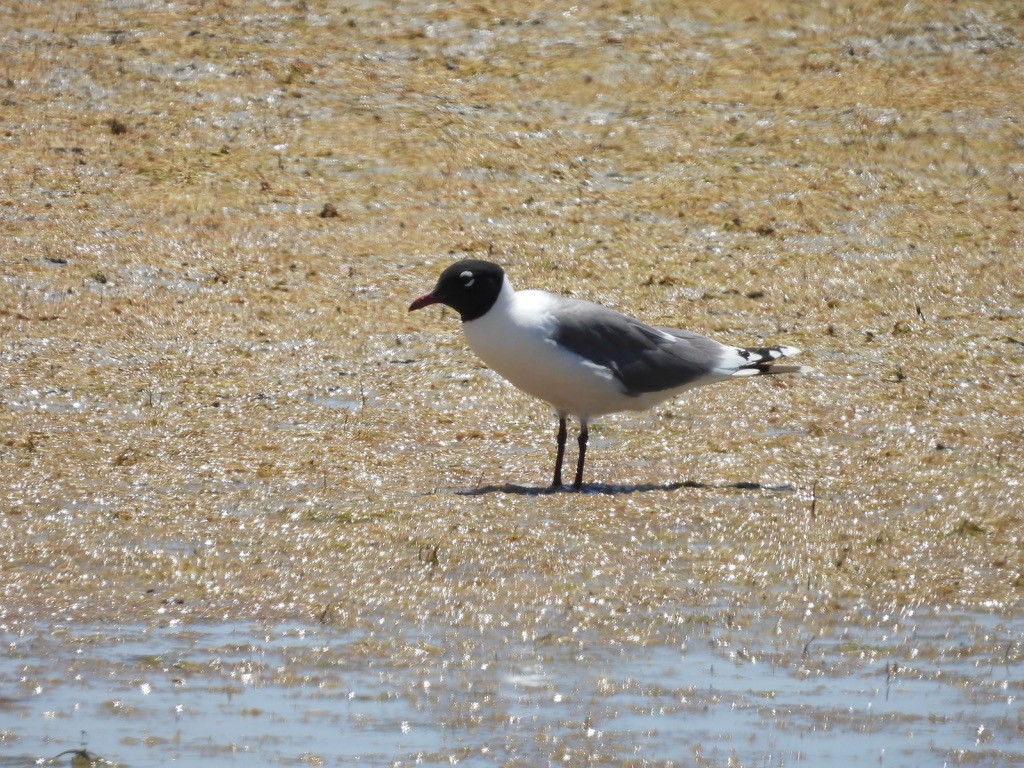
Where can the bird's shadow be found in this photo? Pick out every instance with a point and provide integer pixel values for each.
(616, 490)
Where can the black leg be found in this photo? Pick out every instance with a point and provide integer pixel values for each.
(560, 453)
(582, 440)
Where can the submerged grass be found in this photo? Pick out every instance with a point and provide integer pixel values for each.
(214, 406)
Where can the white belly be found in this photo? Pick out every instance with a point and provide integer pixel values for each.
(514, 340)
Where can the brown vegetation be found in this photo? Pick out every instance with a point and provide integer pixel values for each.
(214, 405)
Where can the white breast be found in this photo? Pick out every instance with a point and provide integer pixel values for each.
(516, 339)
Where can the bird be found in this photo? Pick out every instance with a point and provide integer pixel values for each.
(582, 358)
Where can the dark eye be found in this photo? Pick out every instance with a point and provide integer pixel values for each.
(467, 279)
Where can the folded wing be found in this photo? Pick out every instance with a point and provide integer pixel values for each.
(642, 359)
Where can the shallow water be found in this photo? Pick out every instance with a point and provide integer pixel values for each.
(933, 689)
(218, 421)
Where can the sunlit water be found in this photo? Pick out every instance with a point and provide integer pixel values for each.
(133, 318)
(936, 690)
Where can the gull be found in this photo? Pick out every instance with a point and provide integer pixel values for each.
(585, 359)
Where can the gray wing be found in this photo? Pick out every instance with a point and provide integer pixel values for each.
(642, 358)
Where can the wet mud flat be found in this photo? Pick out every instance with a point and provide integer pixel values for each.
(250, 509)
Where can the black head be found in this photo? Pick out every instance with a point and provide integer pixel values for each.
(470, 287)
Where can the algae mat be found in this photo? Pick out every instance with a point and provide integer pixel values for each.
(216, 414)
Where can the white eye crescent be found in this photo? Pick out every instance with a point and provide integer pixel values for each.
(468, 278)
